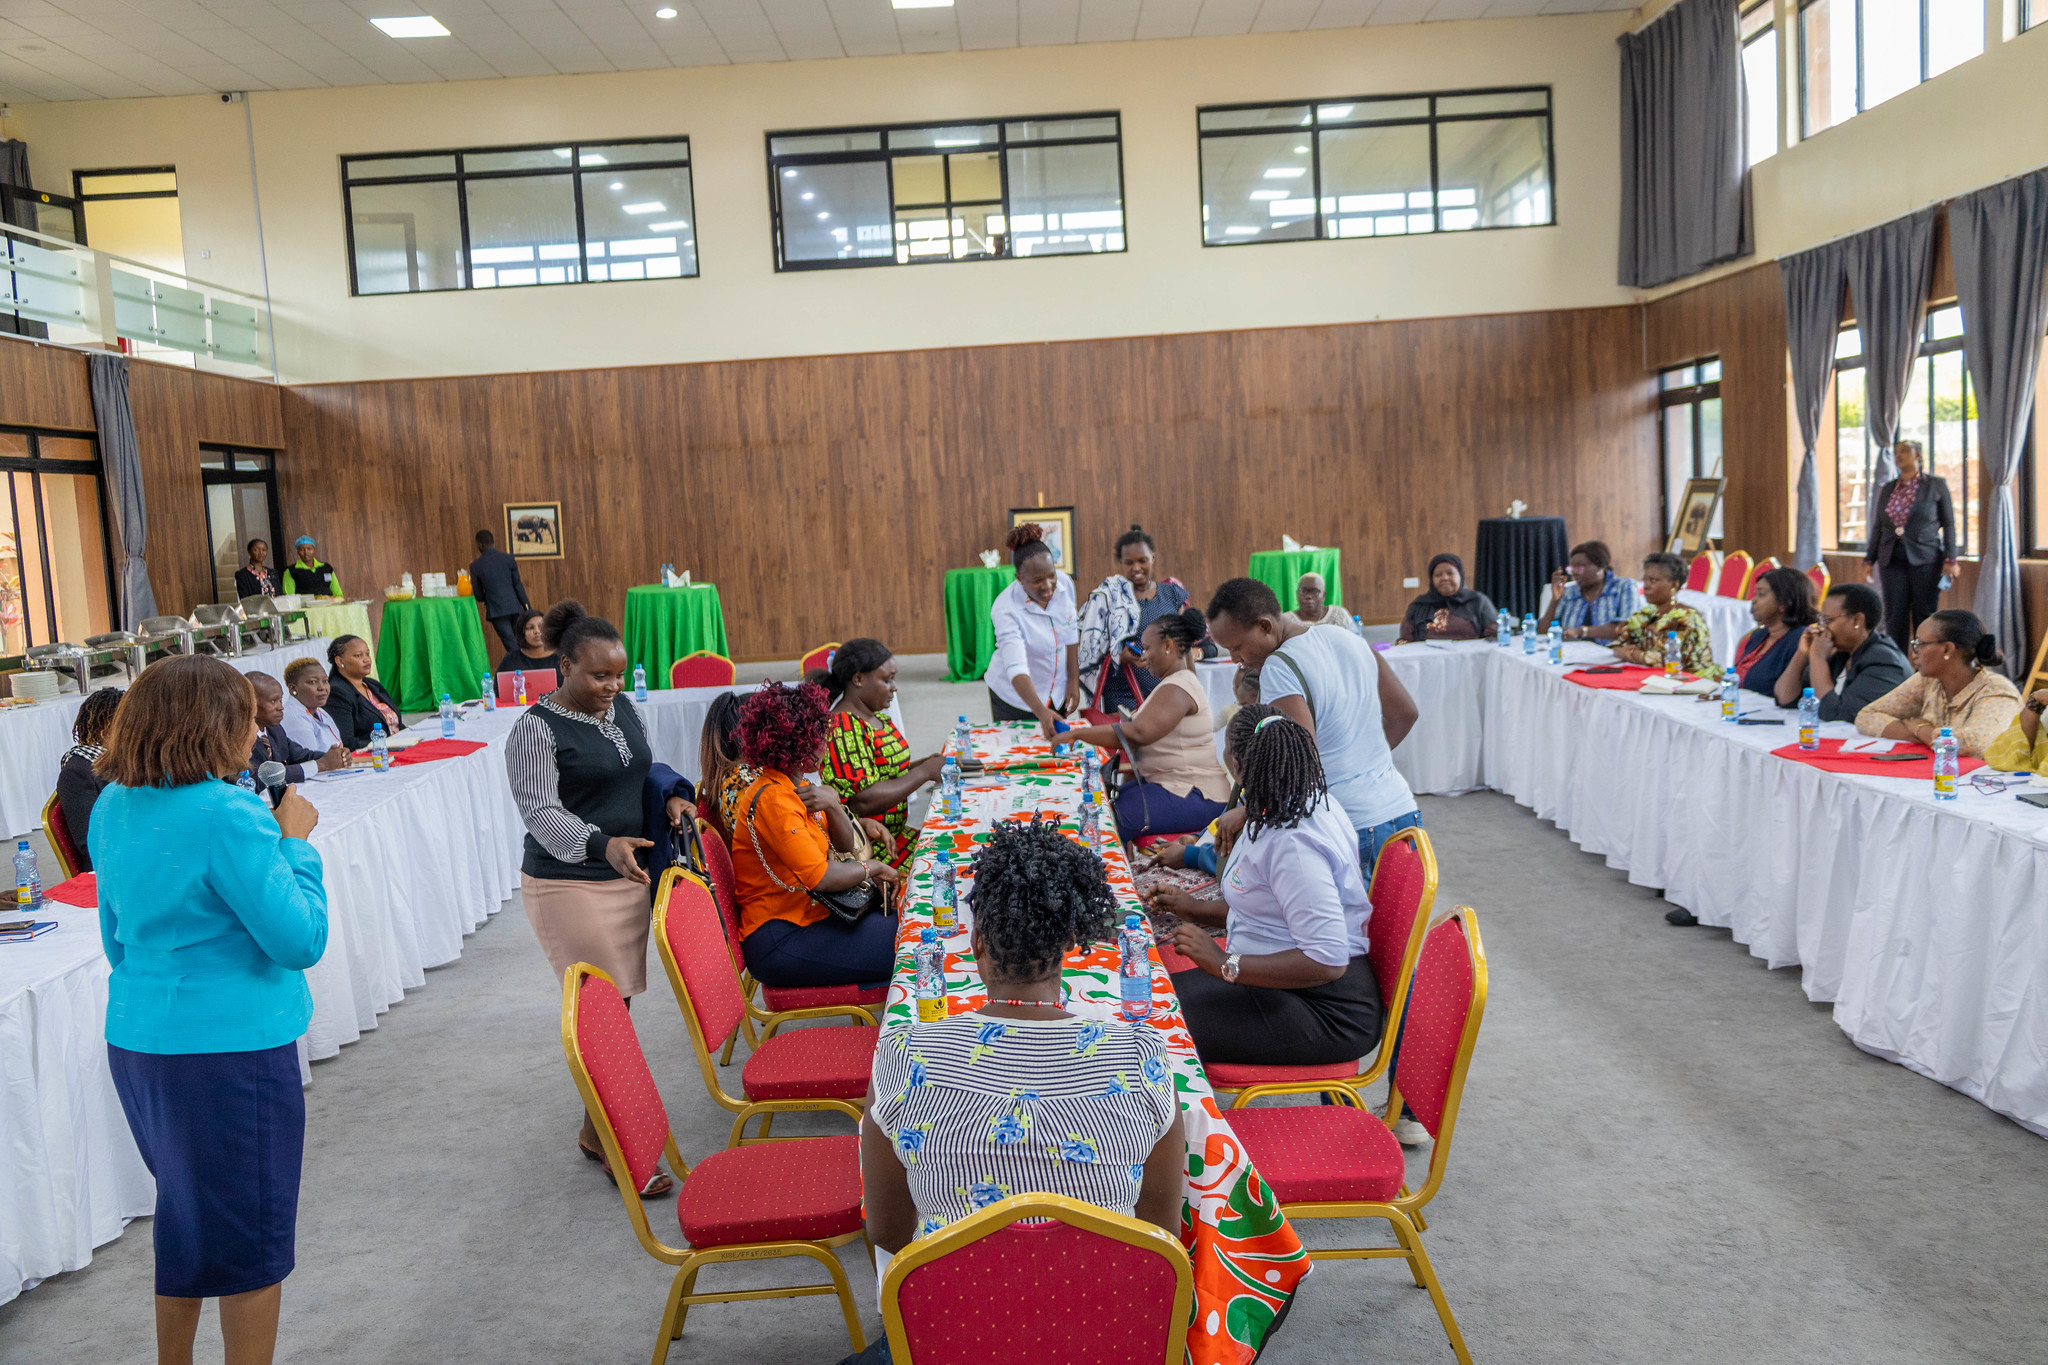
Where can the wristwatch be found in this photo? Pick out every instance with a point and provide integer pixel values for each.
(1230, 966)
(2037, 707)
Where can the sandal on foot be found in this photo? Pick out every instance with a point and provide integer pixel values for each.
(658, 1184)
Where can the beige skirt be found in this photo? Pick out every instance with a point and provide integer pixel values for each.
(602, 923)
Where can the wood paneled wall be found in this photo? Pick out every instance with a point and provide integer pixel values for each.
(827, 496)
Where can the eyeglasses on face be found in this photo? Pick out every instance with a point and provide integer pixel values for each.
(1916, 644)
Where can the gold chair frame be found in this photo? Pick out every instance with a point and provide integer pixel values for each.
(1015, 1209)
(687, 1261)
(50, 836)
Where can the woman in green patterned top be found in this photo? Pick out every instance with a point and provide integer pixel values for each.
(1642, 636)
(867, 759)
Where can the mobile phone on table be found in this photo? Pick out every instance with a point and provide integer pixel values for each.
(1759, 720)
(2034, 798)
(1909, 756)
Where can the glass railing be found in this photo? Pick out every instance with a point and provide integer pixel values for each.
(73, 294)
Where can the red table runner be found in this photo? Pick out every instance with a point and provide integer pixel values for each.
(1830, 758)
(84, 889)
(430, 750)
(1630, 678)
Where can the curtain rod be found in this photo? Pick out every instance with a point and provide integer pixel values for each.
(1897, 217)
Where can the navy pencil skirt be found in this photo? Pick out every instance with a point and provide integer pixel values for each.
(224, 1134)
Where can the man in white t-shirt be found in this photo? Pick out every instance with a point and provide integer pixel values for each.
(1339, 688)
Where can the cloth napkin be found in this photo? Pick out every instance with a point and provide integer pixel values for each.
(1630, 679)
(1830, 758)
(429, 750)
(84, 890)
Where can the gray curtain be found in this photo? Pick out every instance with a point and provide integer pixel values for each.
(1889, 269)
(1999, 240)
(14, 175)
(1684, 158)
(122, 462)
(1813, 315)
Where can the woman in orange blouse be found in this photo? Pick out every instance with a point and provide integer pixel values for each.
(791, 837)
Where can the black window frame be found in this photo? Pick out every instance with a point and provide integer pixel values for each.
(35, 463)
(574, 169)
(232, 474)
(1970, 495)
(1744, 9)
(1806, 71)
(1692, 397)
(883, 153)
(1316, 125)
(81, 198)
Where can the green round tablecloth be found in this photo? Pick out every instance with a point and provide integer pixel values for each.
(1280, 570)
(336, 619)
(432, 645)
(970, 636)
(663, 624)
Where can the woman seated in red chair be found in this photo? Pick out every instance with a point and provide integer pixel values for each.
(78, 785)
(1179, 786)
(869, 762)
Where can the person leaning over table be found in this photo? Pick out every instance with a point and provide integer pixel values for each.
(1294, 988)
(1038, 640)
(211, 909)
(1449, 610)
(78, 782)
(1912, 543)
(258, 579)
(1179, 785)
(578, 763)
(792, 838)
(867, 759)
(1117, 612)
(355, 700)
(1845, 657)
(1588, 600)
(306, 721)
(1781, 604)
(275, 745)
(1642, 638)
(1955, 683)
(309, 575)
(2022, 747)
(1311, 604)
(494, 578)
(531, 655)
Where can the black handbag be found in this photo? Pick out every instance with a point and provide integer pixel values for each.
(848, 907)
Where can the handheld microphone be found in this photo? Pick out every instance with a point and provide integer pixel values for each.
(270, 776)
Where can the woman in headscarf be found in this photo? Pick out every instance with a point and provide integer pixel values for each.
(1449, 610)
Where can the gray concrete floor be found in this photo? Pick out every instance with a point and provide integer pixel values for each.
(1666, 1154)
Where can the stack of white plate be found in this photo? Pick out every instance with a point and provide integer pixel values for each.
(38, 685)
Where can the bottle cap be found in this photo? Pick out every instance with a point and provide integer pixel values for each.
(1947, 733)
(1132, 920)
(1806, 692)
(929, 936)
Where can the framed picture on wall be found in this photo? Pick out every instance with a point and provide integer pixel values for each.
(1694, 515)
(533, 530)
(1059, 530)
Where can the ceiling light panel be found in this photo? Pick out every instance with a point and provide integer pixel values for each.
(412, 26)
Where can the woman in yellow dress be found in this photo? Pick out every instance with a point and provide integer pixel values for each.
(1643, 635)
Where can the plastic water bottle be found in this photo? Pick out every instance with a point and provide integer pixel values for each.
(1091, 823)
(519, 687)
(963, 740)
(245, 781)
(28, 882)
(1731, 696)
(1504, 629)
(447, 716)
(949, 788)
(1671, 652)
(930, 956)
(1944, 765)
(1134, 968)
(1556, 643)
(1529, 633)
(1809, 720)
(1357, 626)
(1059, 746)
(490, 691)
(639, 682)
(1087, 771)
(945, 894)
(380, 748)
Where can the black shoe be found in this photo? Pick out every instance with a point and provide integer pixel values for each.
(1680, 917)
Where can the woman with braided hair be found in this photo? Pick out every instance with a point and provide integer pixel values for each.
(1021, 1096)
(868, 761)
(1295, 989)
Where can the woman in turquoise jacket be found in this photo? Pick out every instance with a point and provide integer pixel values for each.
(211, 909)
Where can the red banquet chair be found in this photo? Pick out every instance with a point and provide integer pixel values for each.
(1699, 576)
(1403, 893)
(1733, 578)
(821, 657)
(70, 855)
(813, 1068)
(784, 1002)
(1822, 581)
(1083, 1287)
(1334, 1161)
(539, 682)
(797, 1198)
(1763, 566)
(702, 668)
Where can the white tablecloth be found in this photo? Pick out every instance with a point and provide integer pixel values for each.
(1448, 682)
(675, 723)
(33, 738)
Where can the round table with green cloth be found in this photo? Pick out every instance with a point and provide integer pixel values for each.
(664, 624)
(431, 645)
(336, 619)
(1281, 570)
(970, 635)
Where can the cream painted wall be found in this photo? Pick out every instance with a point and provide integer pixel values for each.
(739, 306)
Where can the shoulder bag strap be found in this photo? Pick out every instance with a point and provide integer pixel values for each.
(1300, 677)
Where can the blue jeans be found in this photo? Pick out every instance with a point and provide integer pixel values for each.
(1374, 837)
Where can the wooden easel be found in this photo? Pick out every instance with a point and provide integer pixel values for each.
(2038, 677)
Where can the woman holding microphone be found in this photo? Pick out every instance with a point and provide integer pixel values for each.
(1038, 637)
(211, 909)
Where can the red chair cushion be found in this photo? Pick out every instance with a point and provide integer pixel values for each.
(812, 1064)
(780, 998)
(1320, 1154)
(1037, 1293)
(1398, 882)
(702, 670)
(68, 852)
(610, 1052)
(1230, 1076)
(775, 1192)
(1701, 572)
(539, 682)
(697, 939)
(725, 888)
(1438, 1004)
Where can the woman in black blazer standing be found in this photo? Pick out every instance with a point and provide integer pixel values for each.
(1912, 544)
(354, 698)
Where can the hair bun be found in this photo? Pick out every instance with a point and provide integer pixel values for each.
(1198, 623)
(1023, 535)
(1987, 650)
(1136, 527)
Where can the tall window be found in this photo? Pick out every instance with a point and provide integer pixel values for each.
(918, 193)
(1760, 78)
(1689, 431)
(1856, 54)
(500, 217)
(241, 506)
(1376, 166)
(1940, 412)
(55, 577)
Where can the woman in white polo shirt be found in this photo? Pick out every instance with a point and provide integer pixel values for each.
(1038, 637)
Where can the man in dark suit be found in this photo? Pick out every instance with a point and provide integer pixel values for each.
(273, 745)
(1912, 544)
(494, 578)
